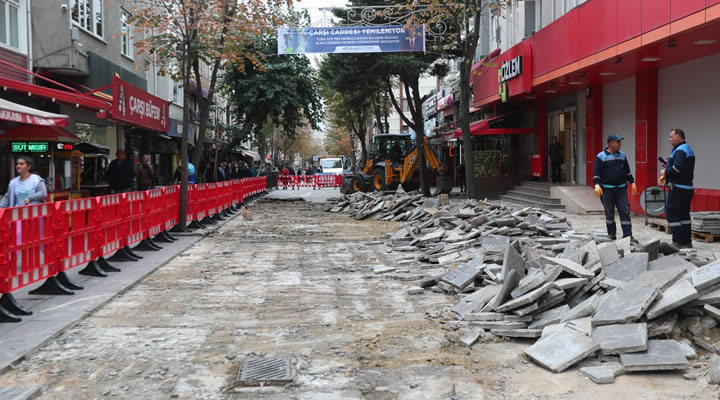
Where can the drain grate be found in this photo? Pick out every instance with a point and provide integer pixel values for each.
(261, 371)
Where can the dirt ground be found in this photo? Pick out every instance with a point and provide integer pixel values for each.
(297, 282)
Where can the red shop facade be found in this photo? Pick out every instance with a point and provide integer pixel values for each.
(637, 68)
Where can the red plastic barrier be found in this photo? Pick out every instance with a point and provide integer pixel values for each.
(28, 239)
(323, 181)
(112, 227)
(155, 215)
(75, 233)
(172, 206)
(136, 217)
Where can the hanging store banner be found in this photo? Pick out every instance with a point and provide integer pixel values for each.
(359, 39)
(138, 107)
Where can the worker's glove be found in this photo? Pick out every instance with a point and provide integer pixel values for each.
(634, 189)
(661, 180)
(598, 190)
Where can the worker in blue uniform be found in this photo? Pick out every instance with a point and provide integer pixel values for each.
(611, 177)
(679, 172)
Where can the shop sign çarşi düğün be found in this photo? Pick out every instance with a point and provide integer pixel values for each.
(508, 70)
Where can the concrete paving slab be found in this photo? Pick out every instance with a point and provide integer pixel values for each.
(666, 262)
(661, 279)
(624, 246)
(569, 267)
(580, 325)
(662, 325)
(549, 317)
(608, 253)
(602, 374)
(660, 355)
(517, 333)
(525, 299)
(534, 279)
(495, 244)
(485, 316)
(688, 349)
(628, 267)
(561, 350)
(618, 339)
(498, 325)
(19, 392)
(706, 276)
(625, 304)
(463, 275)
(569, 283)
(680, 293)
(585, 308)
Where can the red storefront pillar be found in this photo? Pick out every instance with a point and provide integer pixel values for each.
(541, 138)
(646, 109)
(593, 131)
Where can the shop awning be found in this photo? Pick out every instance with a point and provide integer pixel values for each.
(92, 148)
(33, 132)
(483, 127)
(14, 112)
(249, 153)
(63, 96)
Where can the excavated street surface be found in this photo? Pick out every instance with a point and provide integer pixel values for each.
(298, 282)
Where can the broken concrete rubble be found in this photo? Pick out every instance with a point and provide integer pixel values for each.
(521, 272)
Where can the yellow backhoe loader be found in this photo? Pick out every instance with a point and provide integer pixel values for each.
(393, 162)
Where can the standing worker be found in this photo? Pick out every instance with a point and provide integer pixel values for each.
(145, 174)
(679, 171)
(557, 158)
(611, 176)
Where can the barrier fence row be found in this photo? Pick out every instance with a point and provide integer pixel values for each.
(44, 241)
(306, 181)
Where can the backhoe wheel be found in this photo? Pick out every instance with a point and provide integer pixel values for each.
(410, 186)
(378, 180)
(356, 184)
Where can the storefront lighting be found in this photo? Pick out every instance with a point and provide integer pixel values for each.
(606, 73)
(576, 83)
(551, 91)
(650, 59)
(706, 41)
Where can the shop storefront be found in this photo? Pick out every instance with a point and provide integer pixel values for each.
(639, 76)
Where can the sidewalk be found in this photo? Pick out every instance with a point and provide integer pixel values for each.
(52, 315)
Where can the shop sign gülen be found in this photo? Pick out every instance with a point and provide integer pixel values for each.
(508, 70)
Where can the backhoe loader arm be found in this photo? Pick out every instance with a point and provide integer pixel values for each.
(411, 162)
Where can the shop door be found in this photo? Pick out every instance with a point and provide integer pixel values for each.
(563, 125)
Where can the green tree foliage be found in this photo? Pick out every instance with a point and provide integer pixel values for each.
(285, 92)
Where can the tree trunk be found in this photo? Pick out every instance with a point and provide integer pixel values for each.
(419, 128)
(184, 143)
(465, 126)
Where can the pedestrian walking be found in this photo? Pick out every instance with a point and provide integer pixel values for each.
(285, 176)
(26, 188)
(120, 173)
(557, 158)
(145, 174)
(679, 173)
(611, 176)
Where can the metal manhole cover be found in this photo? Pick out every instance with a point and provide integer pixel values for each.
(261, 371)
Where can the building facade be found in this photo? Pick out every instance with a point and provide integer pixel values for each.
(637, 68)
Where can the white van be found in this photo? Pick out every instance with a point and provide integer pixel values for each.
(331, 165)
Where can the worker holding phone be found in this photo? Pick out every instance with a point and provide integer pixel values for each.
(679, 171)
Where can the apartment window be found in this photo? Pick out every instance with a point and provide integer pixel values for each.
(9, 32)
(405, 107)
(88, 14)
(125, 40)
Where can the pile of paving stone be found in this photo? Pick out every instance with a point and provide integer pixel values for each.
(521, 272)
(707, 222)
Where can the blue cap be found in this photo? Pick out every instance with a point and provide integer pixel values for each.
(614, 137)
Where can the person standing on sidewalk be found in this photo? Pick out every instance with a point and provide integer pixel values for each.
(145, 174)
(120, 173)
(611, 176)
(26, 188)
(461, 177)
(557, 158)
(679, 172)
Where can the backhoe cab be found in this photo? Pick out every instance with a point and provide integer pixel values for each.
(393, 162)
